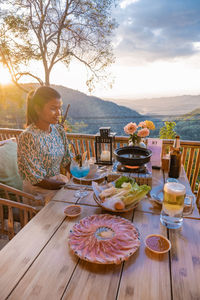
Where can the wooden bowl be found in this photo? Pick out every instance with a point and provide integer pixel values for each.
(73, 210)
(157, 243)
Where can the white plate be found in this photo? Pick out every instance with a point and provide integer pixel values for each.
(157, 194)
(87, 180)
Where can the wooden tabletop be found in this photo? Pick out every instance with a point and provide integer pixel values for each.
(38, 264)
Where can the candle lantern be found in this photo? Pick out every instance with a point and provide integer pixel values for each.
(104, 146)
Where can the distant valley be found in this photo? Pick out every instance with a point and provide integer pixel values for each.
(88, 113)
(178, 105)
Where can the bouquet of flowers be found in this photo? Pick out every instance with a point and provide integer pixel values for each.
(137, 132)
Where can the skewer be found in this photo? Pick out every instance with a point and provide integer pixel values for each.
(65, 115)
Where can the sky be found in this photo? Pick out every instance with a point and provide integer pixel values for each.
(157, 49)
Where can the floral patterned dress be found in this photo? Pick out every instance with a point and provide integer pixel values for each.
(41, 154)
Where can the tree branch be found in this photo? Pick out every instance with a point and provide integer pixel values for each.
(12, 74)
(54, 31)
(20, 74)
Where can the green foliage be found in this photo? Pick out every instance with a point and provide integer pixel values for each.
(167, 131)
(70, 127)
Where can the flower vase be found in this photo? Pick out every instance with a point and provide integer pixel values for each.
(139, 142)
(143, 143)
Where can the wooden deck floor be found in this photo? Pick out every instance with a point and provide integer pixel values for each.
(3, 240)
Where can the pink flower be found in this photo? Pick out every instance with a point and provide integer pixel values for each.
(142, 124)
(143, 132)
(130, 128)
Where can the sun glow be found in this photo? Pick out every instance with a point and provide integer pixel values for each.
(5, 77)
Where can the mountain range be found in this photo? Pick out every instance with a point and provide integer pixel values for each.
(88, 113)
(96, 112)
(178, 105)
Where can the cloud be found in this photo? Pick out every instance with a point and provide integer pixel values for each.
(125, 3)
(157, 29)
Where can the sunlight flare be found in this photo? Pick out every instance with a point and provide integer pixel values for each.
(5, 77)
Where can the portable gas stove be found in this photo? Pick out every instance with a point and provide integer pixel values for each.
(142, 174)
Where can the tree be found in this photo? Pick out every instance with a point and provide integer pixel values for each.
(168, 131)
(53, 31)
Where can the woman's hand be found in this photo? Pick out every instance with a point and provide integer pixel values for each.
(50, 184)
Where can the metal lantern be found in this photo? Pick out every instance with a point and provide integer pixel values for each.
(104, 146)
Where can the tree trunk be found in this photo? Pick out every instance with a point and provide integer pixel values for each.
(47, 78)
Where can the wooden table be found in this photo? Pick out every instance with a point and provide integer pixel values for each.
(37, 262)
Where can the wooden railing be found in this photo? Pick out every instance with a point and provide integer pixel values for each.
(86, 142)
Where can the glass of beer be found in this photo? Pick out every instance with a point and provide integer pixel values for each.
(172, 208)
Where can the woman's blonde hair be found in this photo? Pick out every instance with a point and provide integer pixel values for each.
(39, 98)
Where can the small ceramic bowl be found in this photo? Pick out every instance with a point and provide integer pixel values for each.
(157, 243)
(72, 210)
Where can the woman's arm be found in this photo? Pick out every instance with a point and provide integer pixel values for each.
(50, 184)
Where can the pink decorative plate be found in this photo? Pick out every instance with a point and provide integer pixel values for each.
(104, 239)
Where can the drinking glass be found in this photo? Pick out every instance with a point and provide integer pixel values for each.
(172, 208)
(80, 172)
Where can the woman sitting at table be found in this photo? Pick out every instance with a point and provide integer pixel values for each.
(43, 147)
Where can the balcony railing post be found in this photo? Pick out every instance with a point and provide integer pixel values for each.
(85, 142)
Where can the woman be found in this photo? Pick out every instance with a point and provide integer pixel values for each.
(42, 147)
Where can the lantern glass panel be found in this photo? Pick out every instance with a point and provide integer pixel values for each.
(104, 149)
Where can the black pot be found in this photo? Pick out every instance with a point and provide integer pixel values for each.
(132, 155)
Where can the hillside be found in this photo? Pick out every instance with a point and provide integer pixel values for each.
(195, 114)
(83, 106)
(188, 125)
(91, 110)
(162, 106)
(96, 112)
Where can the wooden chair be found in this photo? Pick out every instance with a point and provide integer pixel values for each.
(14, 210)
(13, 194)
(7, 216)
